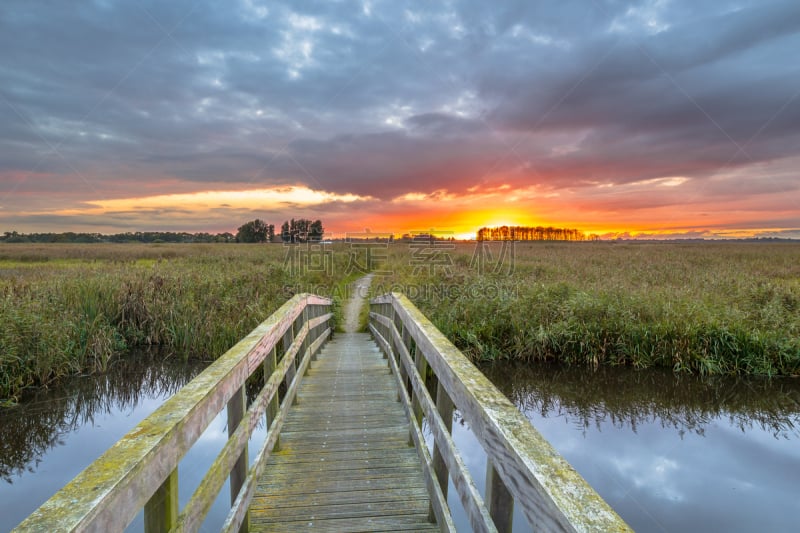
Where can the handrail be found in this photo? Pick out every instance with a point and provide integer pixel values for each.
(141, 469)
(522, 467)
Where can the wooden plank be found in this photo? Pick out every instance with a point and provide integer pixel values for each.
(344, 463)
(356, 525)
(366, 439)
(366, 456)
(356, 510)
(368, 415)
(262, 510)
(326, 487)
(353, 470)
(327, 430)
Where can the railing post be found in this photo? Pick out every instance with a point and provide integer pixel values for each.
(445, 407)
(270, 362)
(416, 406)
(307, 313)
(388, 312)
(499, 499)
(400, 366)
(288, 337)
(406, 337)
(422, 367)
(237, 407)
(387, 333)
(392, 315)
(317, 311)
(161, 510)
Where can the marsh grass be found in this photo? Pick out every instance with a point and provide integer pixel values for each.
(69, 309)
(709, 308)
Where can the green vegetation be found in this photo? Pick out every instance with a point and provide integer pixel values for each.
(255, 231)
(68, 309)
(709, 308)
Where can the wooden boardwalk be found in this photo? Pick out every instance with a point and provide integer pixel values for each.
(345, 463)
(340, 458)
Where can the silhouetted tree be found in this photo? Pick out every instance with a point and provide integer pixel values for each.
(301, 230)
(316, 231)
(527, 233)
(286, 233)
(254, 231)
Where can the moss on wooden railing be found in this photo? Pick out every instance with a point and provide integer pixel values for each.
(521, 463)
(140, 469)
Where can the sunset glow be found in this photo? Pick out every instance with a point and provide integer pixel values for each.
(681, 123)
(255, 199)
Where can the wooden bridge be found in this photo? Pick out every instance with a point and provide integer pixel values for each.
(344, 448)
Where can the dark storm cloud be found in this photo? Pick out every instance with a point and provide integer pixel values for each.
(370, 164)
(700, 94)
(384, 98)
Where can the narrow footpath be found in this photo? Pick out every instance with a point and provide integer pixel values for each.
(358, 292)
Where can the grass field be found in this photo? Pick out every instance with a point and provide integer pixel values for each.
(709, 308)
(70, 309)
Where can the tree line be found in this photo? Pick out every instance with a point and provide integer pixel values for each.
(136, 236)
(531, 233)
(292, 231)
(295, 230)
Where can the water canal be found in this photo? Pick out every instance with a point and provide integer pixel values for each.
(669, 453)
(672, 452)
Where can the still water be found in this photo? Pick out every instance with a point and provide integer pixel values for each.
(669, 453)
(54, 434)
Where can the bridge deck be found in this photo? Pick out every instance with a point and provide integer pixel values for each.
(345, 463)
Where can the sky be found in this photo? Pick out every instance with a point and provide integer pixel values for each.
(659, 118)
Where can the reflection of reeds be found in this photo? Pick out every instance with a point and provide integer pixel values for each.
(29, 430)
(712, 308)
(622, 397)
(71, 309)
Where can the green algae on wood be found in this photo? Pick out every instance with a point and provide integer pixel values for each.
(550, 493)
(109, 493)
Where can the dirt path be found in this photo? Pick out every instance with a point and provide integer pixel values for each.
(359, 291)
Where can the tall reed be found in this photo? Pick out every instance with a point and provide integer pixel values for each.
(709, 308)
(81, 307)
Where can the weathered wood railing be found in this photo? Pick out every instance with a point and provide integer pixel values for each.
(141, 470)
(522, 467)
